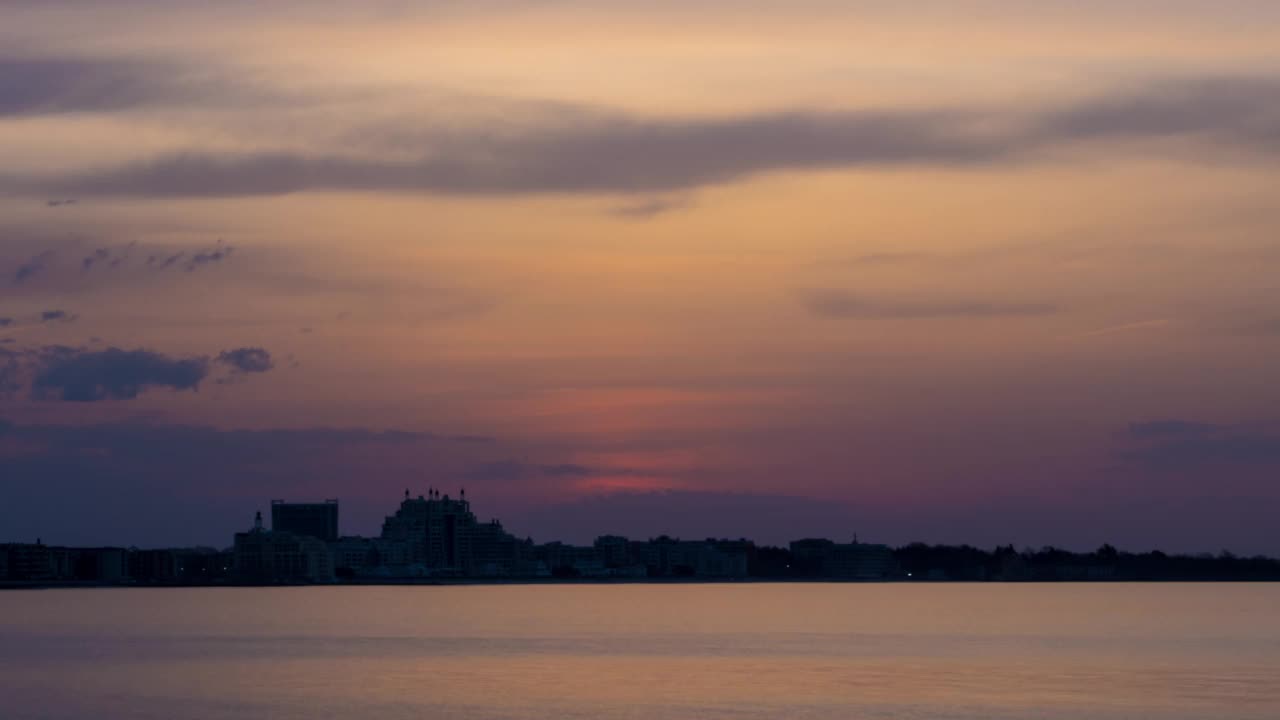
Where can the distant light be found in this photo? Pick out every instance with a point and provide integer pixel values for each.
(908, 574)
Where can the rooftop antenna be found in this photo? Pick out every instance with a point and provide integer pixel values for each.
(257, 521)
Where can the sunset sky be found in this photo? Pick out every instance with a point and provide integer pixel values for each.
(996, 271)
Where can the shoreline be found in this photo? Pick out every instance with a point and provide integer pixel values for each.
(465, 582)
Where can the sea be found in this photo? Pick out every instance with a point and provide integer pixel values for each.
(890, 651)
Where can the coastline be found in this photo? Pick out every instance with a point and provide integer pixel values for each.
(467, 582)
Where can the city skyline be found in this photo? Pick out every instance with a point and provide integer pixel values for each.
(433, 538)
(984, 271)
(320, 519)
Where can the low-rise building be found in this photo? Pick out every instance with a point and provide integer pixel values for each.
(355, 556)
(31, 561)
(204, 565)
(103, 564)
(846, 561)
(614, 551)
(153, 566)
(563, 560)
(669, 557)
(262, 556)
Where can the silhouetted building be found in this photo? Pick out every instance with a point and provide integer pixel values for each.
(438, 535)
(497, 553)
(106, 564)
(62, 563)
(30, 562)
(318, 520)
(668, 557)
(850, 561)
(561, 560)
(261, 556)
(204, 565)
(39, 562)
(43, 563)
(355, 556)
(614, 551)
(153, 566)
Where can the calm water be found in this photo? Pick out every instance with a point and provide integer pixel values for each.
(644, 652)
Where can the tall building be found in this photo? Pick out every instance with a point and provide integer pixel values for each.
(441, 536)
(497, 553)
(317, 520)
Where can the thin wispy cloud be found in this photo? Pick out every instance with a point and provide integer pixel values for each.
(1127, 327)
(207, 257)
(33, 266)
(649, 208)
(1182, 445)
(49, 316)
(247, 360)
(836, 303)
(888, 258)
(67, 266)
(1172, 428)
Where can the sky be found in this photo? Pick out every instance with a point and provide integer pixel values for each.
(986, 271)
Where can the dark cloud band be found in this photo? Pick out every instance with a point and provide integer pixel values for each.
(584, 149)
(112, 374)
(69, 374)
